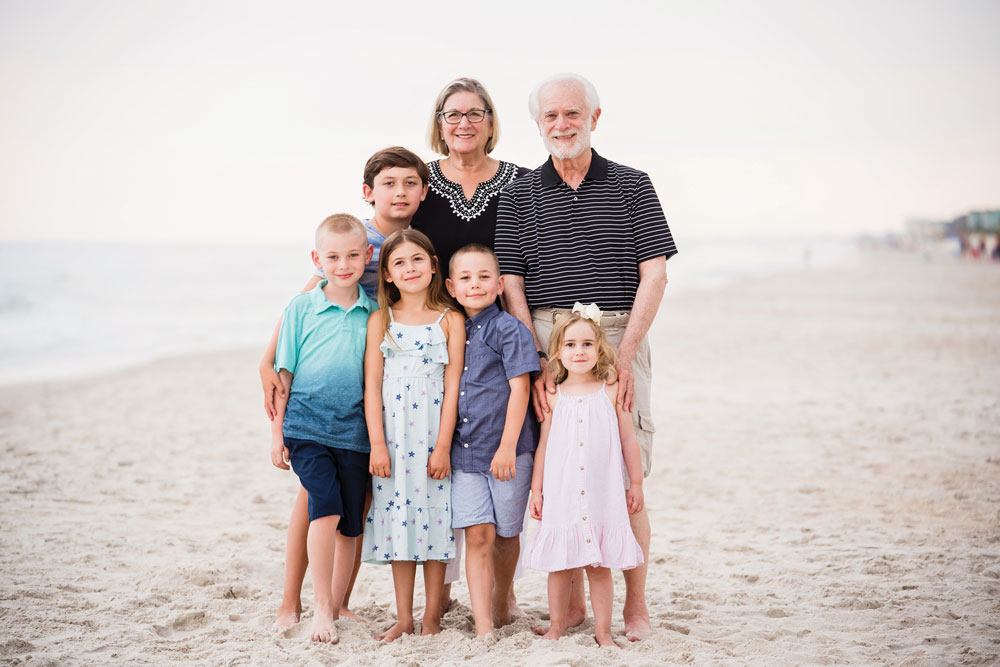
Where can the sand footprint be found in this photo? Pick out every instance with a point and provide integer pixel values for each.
(182, 625)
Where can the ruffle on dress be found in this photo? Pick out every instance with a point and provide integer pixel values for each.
(571, 545)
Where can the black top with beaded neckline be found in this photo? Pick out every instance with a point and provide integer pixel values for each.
(451, 221)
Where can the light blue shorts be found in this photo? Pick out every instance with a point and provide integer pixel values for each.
(479, 497)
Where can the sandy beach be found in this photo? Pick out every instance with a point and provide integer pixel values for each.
(825, 490)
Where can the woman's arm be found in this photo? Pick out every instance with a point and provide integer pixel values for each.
(538, 472)
(439, 462)
(379, 463)
(268, 376)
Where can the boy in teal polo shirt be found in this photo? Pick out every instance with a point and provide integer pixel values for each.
(320, 428)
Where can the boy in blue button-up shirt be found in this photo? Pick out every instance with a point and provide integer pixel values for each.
(491, 454)
(320, 428)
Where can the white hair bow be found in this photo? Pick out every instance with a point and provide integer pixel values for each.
(591, 312)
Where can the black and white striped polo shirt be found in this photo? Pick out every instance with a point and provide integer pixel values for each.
(585, 244)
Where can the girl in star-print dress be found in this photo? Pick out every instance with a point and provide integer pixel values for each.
(413, 363)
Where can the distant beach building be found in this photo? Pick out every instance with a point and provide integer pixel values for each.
(975, 231)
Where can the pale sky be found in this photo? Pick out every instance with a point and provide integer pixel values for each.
(251, 121)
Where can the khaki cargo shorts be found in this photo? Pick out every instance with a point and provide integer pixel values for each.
(614, 325)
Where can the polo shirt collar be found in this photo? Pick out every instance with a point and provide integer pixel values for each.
(321, 303)
(482, 317)
(598, 170)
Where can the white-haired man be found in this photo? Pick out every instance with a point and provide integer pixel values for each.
(583, 228)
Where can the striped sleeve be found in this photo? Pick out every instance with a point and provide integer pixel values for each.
(506, 241)
(652, 234)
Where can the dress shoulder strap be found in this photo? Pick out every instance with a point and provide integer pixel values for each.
(391, 318)
(443, 313)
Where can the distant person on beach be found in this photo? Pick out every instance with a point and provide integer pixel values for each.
(584, 228)
(394, 182)
(493, 447)
(413, 363)
(576, 487)
(461, 203)
(320, 428)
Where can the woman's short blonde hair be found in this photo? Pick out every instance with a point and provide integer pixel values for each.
(606, 355)
(466, 84)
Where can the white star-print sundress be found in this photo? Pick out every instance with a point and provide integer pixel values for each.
(410, 516)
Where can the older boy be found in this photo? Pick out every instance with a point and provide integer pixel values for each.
(321, 427)
(491, 454)
(394, 183)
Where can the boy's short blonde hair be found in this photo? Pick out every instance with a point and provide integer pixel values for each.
(474, 248)
(341, 223)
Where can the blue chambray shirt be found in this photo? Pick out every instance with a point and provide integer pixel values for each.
(323, 346)
(498, 348)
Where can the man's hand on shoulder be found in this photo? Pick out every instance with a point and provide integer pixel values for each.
(540, 388)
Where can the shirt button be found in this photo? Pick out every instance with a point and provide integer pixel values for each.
(466, 342)
(574, 199)
(465, 419)
(463, 393)
(479, 326)
(466, 445)
(467, 368)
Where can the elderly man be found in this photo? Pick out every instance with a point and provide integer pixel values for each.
(583, 228)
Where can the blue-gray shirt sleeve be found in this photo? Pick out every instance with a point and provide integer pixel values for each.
(515, 347)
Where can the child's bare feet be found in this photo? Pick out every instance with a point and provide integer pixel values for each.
(551, 633)
(430, 626)
(514, 610)
(288, 616)
(349, 615)
(604, 639)
(575, 619)
(395, 632)
(636, 629)
(500, 610)
(323, 628)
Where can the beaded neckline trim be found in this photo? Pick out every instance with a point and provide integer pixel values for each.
(467, 209)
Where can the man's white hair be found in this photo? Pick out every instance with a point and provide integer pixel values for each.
(589, 92)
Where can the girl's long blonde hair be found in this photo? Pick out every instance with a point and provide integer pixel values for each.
(604, 369)
(388, 293)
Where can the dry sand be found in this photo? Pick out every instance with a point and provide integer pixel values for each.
(825, 490)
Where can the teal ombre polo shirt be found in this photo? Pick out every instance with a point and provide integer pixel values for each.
(323, 347)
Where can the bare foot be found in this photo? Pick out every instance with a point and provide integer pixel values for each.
(550, 634)
(430, 626)
(323, 629)
(515, 611)
(501, 611)
(349, 615)
(396, 631)
(575, 617)
(288, 616)
(604, 639)
(637, 628)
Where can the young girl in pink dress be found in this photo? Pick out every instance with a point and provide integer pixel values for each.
(577, 488)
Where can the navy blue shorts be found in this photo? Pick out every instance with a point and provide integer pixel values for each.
(336, 481)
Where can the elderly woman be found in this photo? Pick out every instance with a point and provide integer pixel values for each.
(461, 204)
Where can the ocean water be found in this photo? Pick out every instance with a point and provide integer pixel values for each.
(77, 309)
